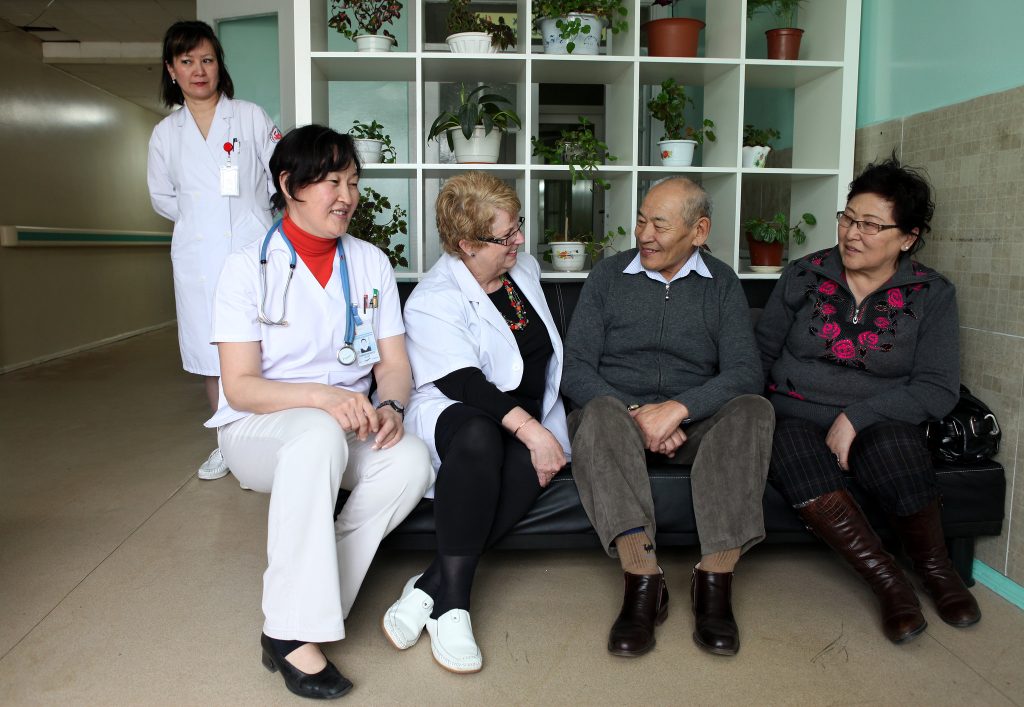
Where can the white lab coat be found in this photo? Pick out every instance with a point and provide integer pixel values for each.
(184, 186)
(450, 324)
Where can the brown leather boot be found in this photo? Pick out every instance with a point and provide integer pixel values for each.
(925, 544)
(644, 606)
(715, 629)
(837, 519)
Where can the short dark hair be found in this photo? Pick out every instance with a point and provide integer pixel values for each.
(183, 37)
(905, 188)
(308, 154)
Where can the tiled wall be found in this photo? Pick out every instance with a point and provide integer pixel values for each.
(973, 153)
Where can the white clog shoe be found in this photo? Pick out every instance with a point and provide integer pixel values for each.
(452, 642)
(404, 621)
(214, 467)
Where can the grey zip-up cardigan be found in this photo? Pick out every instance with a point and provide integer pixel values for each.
(641, 341)
(896, 356)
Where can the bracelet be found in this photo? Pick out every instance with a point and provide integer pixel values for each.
(521, 426)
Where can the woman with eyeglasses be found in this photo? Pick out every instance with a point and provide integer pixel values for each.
(487, 362)
(860, 344)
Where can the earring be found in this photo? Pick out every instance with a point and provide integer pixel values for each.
(174, 80)
(472, 255)
(905, 248)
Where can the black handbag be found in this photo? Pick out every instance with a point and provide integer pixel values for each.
(970, 433)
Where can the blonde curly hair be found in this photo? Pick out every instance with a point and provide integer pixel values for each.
(467, 205)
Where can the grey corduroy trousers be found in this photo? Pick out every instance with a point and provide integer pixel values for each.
(729, 453)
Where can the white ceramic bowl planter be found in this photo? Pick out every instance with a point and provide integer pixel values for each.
(478, 149)
(369, 150)
(471, 43)
(755, 156)
(374, 43)
(586, 44)
(568, 256)
(677, 153)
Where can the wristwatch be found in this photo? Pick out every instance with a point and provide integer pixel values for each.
(394, 404)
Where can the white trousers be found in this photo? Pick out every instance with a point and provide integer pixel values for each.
(315, 565)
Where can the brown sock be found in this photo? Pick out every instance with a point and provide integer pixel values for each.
(724, 561)
(636, 553)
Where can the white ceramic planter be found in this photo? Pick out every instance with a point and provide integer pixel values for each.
(755, 156)
(374, 43)
(471, 43)
(677, 153)
(586, 44)
(478, 149)
(369, 150)
(568, 256)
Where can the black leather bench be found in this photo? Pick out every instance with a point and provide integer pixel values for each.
(972, 495)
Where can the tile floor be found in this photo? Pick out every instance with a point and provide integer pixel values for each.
(125, 580)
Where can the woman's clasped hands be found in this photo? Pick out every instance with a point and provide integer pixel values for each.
(355, 413)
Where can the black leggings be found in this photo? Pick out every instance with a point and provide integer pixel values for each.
(486, 482)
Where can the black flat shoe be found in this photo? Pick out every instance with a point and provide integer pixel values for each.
(325, 685)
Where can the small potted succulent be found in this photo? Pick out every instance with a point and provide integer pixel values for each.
(672, 36)
(680, 140)
(475, 127)
(579, 148)
(470, 33)
(757, 145)
(368, 18)
(568, 26)
(766, 239)
(373, 145)
(783, 41)
(365, 227)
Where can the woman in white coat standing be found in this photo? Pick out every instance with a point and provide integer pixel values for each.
(294, 419)
(209, 173)
(487, 362)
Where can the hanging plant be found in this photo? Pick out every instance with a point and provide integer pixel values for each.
(364, 225)
(579, 148)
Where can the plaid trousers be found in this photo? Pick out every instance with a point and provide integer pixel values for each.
(888, 459)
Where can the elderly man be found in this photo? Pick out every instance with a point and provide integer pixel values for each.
(660, 360)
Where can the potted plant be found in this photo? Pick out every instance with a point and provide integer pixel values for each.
(569, 253)
(373, 145)
(756, 145)
(680, 140)
(569, 25)
(784, 41)
(365, 227)
(471, 33)
(579, 148)
(767, 237)
(672, 36)
(369, 17)
(474, 128)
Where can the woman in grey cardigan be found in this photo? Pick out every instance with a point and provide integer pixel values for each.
(860, 345)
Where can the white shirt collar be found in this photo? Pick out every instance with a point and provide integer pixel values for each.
(694, 264)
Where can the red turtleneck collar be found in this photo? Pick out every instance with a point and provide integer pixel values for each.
(317, 253)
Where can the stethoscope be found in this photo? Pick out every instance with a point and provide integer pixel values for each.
(347, 353)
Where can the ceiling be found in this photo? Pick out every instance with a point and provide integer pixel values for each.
(112, 44)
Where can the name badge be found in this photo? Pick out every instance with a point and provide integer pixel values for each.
(229, 181)
(366, 344)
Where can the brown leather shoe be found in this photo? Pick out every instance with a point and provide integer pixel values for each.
(836, 518)
(715, 629)
(925, 544)
(644, 606)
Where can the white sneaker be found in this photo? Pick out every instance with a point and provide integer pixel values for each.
(404, 621)
(214, 467)
(452, 642)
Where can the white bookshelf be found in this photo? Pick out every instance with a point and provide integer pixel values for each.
(822, 87)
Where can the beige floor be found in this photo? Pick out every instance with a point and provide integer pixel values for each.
(125, 580)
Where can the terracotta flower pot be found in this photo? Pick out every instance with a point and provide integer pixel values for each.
(784, 43)
(764, 254)
(673, 36)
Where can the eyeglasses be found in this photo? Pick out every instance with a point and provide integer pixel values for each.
(504, 241)
(868, 228)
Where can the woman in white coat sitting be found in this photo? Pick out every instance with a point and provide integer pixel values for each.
(209, 173)
(294, 419)
(487, 362)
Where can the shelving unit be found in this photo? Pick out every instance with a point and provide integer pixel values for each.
(815, 172)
